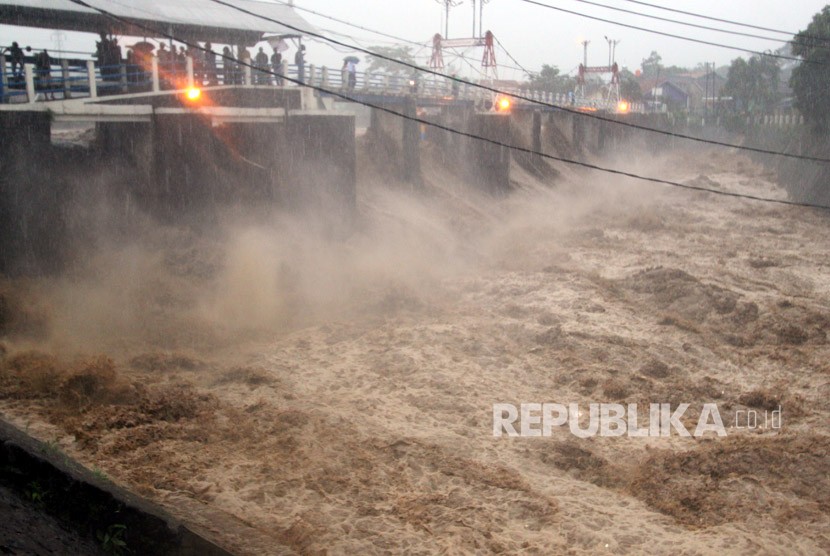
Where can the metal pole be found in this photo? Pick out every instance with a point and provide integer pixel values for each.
(480, 18)
(609, 51)
(474, 18)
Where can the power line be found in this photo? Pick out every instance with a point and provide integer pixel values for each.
(344, 22)
(686, 23)
(731, 22)
(459, 132)
(393, 37)
(532, 100)
(529, 73)
(672, 35)
(519, 96)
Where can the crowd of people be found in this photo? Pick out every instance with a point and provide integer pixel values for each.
(209, 67)
(16, 57)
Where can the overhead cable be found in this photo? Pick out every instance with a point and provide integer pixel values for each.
(454, 131)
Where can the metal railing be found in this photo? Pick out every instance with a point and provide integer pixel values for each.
(68, 79)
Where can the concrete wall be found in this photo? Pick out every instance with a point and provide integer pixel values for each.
(32, 190)
(488, 164)
(480, 162)
(130, 143)
(176, 166)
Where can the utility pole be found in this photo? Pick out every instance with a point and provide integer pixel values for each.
(447, 5)
(474, 18)
(481, 17)
(609, 50)
(612, 50)
(705, 91)
(585, 52)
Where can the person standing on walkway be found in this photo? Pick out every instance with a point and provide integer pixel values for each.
(16, 54)
(276, 65)
(244, 58)
(262, 67)
(210, 64)
(43, 64)
(351, 69)
(228, 67)
(299, 61)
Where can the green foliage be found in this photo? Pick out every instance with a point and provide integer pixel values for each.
(630, 86)
(51, 448)
(810, 81)
(99, 473)
(112, 540)
(380, 65)
(753, 84)
(651, 66)
(36, 494)
(550, 80)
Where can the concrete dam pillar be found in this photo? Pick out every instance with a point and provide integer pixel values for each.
(411, 144)
(488, 164)
(322, 167)
(32, 191)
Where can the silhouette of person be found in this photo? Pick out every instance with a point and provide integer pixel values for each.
(43, 64)
(262, 67)
(276, 64)
(210, 64)
(16, 58)
(244, 62)
(228, 67)
(299, 61)
(351, 68)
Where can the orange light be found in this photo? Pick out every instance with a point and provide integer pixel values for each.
(193, 93)
(503, 104)
(623, 106)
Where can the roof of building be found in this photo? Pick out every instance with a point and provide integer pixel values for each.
(204, 20)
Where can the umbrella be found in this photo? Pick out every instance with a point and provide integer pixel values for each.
(143, 46)
(353, 59)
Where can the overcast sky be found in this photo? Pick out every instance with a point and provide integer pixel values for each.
(534, 35)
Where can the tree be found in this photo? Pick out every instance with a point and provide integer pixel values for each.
(810, 81)
(550, 80)
(381, 65)
(753, 84)
(630, 86)
(651, 65)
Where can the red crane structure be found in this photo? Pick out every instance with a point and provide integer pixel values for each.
(613, 87)
(488, 59)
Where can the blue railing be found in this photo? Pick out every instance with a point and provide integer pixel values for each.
(75, 79)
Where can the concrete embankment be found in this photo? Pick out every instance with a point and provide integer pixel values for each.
(804, 180)
(98, 511)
